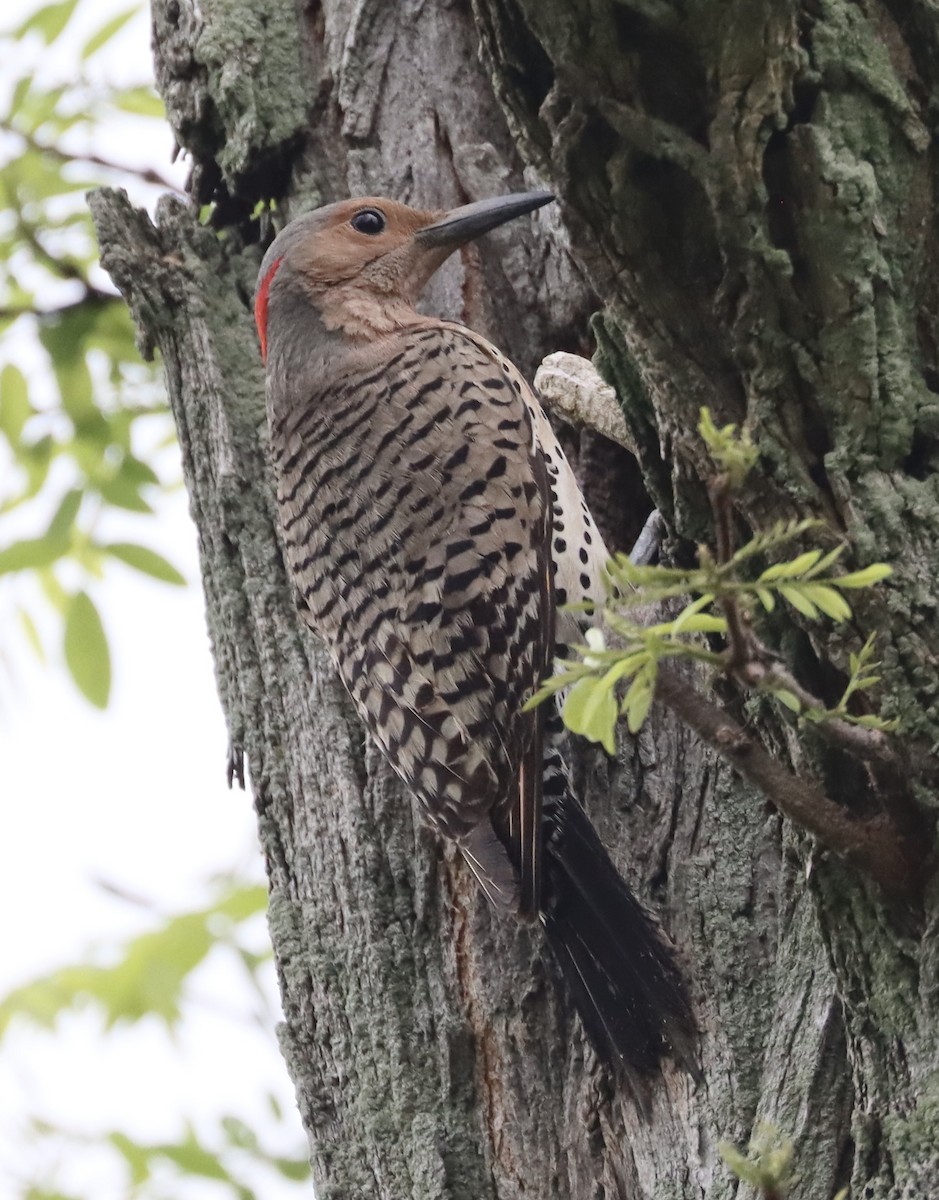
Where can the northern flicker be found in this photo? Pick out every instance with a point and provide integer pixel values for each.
(433, 525)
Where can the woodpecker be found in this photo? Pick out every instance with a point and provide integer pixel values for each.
(433, 527)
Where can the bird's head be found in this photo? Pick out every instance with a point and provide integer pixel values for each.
(362, 263)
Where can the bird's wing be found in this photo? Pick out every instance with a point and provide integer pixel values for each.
(521, 815)
(518, 820)
(416, 518)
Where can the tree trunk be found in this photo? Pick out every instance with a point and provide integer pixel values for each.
(748, 188)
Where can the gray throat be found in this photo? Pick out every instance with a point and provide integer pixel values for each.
(304, 358)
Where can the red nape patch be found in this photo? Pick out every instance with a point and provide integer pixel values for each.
(260, 305)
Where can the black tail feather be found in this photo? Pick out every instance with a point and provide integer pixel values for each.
(621, 973)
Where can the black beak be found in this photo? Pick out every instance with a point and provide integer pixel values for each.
(461, 225)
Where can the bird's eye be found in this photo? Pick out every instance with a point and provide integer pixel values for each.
(369, 221)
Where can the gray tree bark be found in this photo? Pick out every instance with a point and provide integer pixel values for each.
(747, 187)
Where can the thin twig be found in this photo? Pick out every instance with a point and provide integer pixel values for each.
(572, 386)
(870, 745)
(649, 542)
(66, 268)
(90, 295)
(739, 639)
(873, 845)
(754, 665)
(146, 174)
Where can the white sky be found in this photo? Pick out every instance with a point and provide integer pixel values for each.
(134, 796)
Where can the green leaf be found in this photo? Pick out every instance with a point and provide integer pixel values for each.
(32, 633)
(37, 177)
(788, 698)
(779, 534)
(863, 682)
(638, 699)
(138, 472)
(36, 459)
(627, 630)
(19, 94)
(628, 664)
(871, 721)
(145, 560)
(242, 902)
(540, 696)
(239, 1134)
(553, 685)
(792, 569)
(108, 31)
(36, 108)
(691, 610)
(297, 1169)
(54, 592)
(15, 408)
(75, 385)
(49, 21)
(590, 710)
(149, 975)
(706, 427)
(113, 331)
(828, 600)
(30, 554)
(123, 493)
(866, 578)
(826, 561)
(741, 1166)
(798, 601)
(766, 598)
(864, 656)
(86, 650)
(194, 1159)
(733, 451)
(136, 1156)
(61, 524)
(140, 100)
(701, 623)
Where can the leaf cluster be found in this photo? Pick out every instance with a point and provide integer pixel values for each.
(82, 421)
(151, 977)
(806, 582)
(604, 684)
(767, 1165)
(591, 705)
(733, 450)
(147, 976)
(196, 1157)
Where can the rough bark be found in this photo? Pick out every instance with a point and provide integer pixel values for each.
(747, 186)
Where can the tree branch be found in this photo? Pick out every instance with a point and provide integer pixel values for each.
(742, 645)
(753, 665)
(63, 267)
(90, 295)
(876, 845)
(146, 174)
